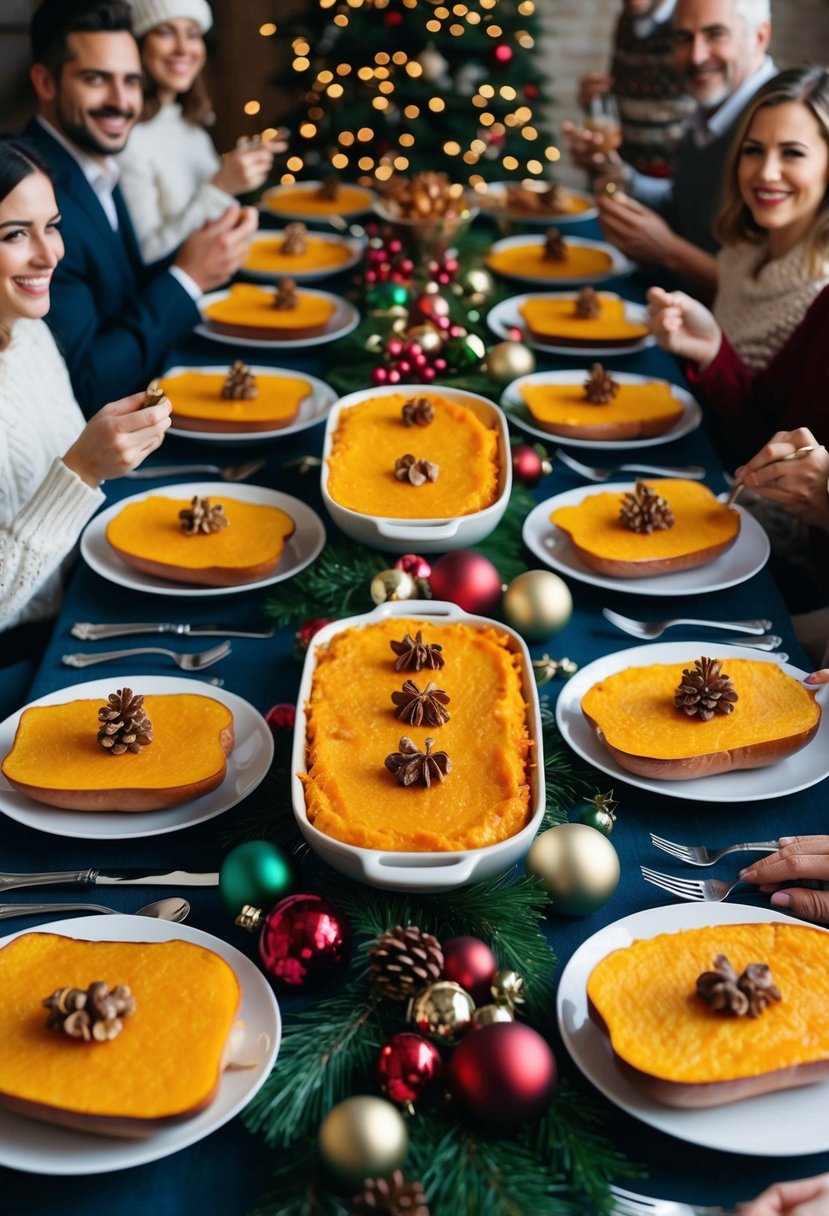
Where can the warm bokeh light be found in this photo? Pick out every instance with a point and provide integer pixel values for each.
(267, 30)
(252, 107)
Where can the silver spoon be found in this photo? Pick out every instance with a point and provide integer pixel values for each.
(172, 908)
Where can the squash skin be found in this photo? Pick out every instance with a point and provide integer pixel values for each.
(597, 425)
(125, 797)
(698, 1095)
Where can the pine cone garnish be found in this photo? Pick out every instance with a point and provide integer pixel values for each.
(295, 240)
(555, 249)
(417, 471)
(645, 511)
(706, 690)
(153, 395)
(201, 517)
(126, 727)
(534, 202)
(588, 305)
(392, 1196)
(329, 188)
(419, 411)
(240, 384)
(600, 388)
(413, 653)
(413, 767)
(748, 994)
(402, 961)
(92, 1013)
(416, 707)
(286, 296)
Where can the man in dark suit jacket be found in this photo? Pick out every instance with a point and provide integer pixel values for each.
(113, 318)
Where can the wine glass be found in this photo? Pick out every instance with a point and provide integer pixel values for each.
(603, 119)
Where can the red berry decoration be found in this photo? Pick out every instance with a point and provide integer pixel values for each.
(411, 563)
(503, 53)
(406, 1065)
(468, 579)
(503, 1074)
(528, 466)
(281, 717)
(470, 962)
(305, 941)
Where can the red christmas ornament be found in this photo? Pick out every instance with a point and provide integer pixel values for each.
(281, 717)
(305, 632)
(470, 962)
(503, 53)
(406, 1065)
(393, 18)
(305, 940)
(468, 579)
(531, 91)
(503, 1074)
(528, 466)
(515, 333)
(410, 563)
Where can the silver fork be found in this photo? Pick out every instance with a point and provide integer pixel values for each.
(698, 855)
(702, 890)
(227, 472)
(655, 629)
(692, 471)
(628, 1203)
(188, 662)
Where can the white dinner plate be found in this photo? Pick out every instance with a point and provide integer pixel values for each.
(310, 187)
(747, 555)
(492, 201)
(619, 264)
(790, 1123)
(516, 410)
(267, 236)
(40, 1148)
(247, 766)
(344, 319)
(505, 317)
(300, 549)
(312, 409)
(797, 772)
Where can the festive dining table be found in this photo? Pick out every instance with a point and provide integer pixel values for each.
(228, 1172)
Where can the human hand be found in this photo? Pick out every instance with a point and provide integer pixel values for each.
(818, 677)
(683, 326)
(799, 858)
(800, 486)
(247, 166)
(117, 438)
(593, 84)
(638, 231)
(585, 147)
(213, 253)
(804, 1197)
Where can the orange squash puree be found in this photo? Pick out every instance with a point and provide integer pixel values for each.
(304, 200)
(554, 405)
(199, 395)
(371, 436)
(523, 260)
(352, 727)
(320, 254)
(557, 319)
(254, 307)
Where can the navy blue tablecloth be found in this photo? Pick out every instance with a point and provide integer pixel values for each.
(228, 1172)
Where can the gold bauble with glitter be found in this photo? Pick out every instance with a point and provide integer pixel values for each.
(393, 585)
(537, 604)
(486, 1015)
(508, 360)
(443, 1010)
(474, 285)
(363, 1137)
(577, 865)
(427, 337)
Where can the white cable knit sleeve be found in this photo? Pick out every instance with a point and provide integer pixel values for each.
(41, 534)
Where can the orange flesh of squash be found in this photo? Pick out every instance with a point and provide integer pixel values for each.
(557, 319)
(352, 727)
(581, 261)
(199, 395)
(254, 307)
(645, 993)
(305, 201)
(565, 404)
(267, 254)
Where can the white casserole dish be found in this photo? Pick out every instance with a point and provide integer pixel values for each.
(422, 535)
(419, 871)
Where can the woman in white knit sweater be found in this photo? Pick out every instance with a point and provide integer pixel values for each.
(52, 463)
(171, 176)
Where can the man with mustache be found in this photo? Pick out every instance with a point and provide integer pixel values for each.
(114, 318)
(720, 50)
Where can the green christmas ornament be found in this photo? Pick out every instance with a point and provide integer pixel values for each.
(384, 296)
(464, 352)
(257, 873)
(598, 812)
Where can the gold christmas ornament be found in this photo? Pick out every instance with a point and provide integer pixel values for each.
(363, 1137)
(427, 337)
(475, 285)
(577, 865)
(507, 361)
(393, 585)
(508, 988)
(374, 344)
(443, 1010)
(547, 668)
(485, 1015)
(537, 603)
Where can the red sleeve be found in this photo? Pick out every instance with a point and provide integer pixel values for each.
(726, 385)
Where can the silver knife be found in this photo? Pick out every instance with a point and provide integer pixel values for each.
(110, 878)
(89, 632)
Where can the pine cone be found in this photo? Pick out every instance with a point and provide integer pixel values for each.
(748, 994)
(418, 411)
(329, 187)
(403, 961)
(126, 727)
(294, 240)
(555, 249)
(286, 296)
(645, 511)
(392, 1196)
(201, 517)
(240, 384)
(588, 305)
(706, 690)
(600, 387)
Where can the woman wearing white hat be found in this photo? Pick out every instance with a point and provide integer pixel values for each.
(171, 176)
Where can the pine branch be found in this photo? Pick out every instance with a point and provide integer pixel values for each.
(336, 584)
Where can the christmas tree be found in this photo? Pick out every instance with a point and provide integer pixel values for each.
(401, 86)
